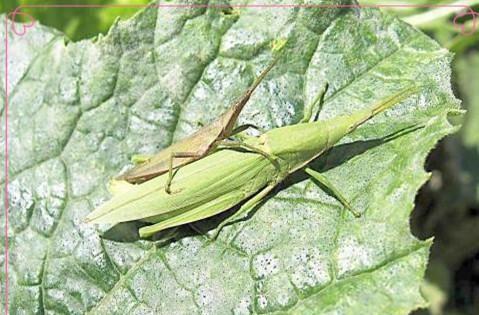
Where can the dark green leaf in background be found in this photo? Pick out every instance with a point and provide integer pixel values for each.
(78, 111)
(77, 23)
(468, 83)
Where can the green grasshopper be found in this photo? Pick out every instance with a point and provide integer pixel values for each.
(230, 176)
(196, 146)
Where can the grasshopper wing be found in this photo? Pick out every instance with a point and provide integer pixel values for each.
(204, 187)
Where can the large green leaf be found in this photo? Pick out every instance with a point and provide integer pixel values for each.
(78, 111)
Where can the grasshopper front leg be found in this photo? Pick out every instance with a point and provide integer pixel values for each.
(244, 127)
(250, 148)
(177, 155)
(237, 133)
(337, 194)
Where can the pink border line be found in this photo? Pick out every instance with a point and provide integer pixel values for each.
(12, 15)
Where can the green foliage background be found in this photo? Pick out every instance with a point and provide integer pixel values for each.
(447, 206)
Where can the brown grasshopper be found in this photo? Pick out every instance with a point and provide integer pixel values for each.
(196, 146)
